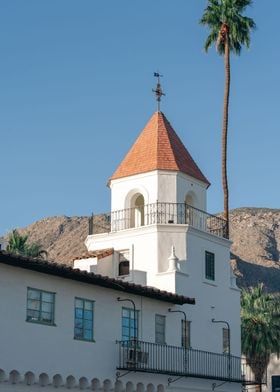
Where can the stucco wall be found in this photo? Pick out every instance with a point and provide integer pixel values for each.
(51, 350)
(158, 185)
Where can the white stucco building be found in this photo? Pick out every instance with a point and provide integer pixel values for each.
(152, 306)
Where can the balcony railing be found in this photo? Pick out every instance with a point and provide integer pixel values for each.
(158, 213)
(177, 361)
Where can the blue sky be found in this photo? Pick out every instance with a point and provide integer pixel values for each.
(75, 92)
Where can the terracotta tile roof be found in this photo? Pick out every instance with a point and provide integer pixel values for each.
(100, 254)
(66, 272)
(158, 148)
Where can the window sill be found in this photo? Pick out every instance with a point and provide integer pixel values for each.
(84, 340)
(41, 323)
(210, 283)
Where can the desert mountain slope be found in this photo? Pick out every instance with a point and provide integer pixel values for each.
(255, 233)
(61, 236)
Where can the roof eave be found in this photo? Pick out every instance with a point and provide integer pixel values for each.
(66, 272)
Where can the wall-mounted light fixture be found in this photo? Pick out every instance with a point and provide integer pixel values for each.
(229, 345)
(185, 319)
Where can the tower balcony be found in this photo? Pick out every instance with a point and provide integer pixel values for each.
(159, 213)
(140, 356)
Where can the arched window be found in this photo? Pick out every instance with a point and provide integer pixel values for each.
(137, 210)
(190, 199)
(124, 262)
(190, 214)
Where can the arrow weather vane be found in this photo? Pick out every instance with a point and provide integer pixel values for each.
(158, 91)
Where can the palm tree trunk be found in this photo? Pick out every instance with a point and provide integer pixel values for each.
(225, 133)
(259, 366)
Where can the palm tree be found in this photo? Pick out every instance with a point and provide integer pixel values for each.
(260, 328)
(18, 245)
(229, 29)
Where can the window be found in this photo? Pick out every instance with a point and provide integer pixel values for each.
(186, 333)
(160, 329)
(209, 265)
(40, 306)
(83, 319)
(129, 324)
(225, 340)
(124, 263)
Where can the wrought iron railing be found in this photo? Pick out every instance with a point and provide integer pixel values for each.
(148, 357)
(158, 213)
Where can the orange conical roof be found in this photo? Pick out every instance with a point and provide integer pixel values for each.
(158, 147)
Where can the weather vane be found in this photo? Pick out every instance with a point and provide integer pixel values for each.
(158, 91)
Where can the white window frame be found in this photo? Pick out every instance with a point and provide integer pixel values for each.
(87, 323)
(36, 306)
(133, 326)
(212, 275)
(160, 329)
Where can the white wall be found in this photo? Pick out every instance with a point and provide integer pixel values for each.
(39, 348)
(128, 383)
(158, 185)
(187, 184)
(217, 299)
(43, 348)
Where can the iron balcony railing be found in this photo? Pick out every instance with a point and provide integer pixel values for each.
(148, 357)
(158, 213)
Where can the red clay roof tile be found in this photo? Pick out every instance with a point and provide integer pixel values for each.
(66, 272)
(100, 254)
(158, 147)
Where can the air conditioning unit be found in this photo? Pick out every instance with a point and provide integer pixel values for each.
(136, 357)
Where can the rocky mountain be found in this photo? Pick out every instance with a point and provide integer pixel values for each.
(61, 236)
(255, 233)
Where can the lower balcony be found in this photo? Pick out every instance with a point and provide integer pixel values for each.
(139, 356)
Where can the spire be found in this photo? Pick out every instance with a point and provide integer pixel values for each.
(158, 91)
(158, 147)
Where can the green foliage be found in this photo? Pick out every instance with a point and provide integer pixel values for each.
(229, 13)
(260, 327)
(18, 245)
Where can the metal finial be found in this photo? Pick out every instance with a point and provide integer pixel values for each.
(158, 91)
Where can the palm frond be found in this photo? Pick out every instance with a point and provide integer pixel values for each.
(219, 12)
(260, 320)
(17, 244)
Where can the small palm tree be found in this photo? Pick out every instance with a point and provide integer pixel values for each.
(18, 245)
(229, 30)
(260, 328)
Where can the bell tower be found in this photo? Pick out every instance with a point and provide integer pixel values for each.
(159, 233)
(158, 203)
(158, 197)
